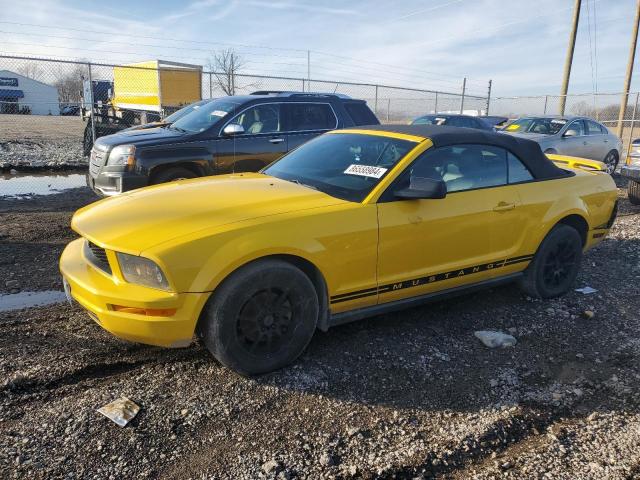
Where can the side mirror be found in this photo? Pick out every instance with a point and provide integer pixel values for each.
(424, 188)
(233, 129)
(570, 133)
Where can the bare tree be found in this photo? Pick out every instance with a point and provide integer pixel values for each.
(32, 70)
(69, 82)
(225, 65)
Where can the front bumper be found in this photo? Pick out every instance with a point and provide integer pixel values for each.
(98, 292)
(108, 183)
(631, 171)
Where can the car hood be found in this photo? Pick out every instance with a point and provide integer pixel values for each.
(140, 136)
(138, 220)
(536, 137)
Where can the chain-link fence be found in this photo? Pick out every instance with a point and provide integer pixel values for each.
(604, 107)
(50, 110)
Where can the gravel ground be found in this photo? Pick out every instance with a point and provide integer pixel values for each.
(406, 395)
(40, 141)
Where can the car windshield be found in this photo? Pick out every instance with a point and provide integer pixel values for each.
(430, 120)
(345, 165)
(544, 126)
(177, 115)
(204, 117)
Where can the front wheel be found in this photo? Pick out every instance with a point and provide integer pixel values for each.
(171, 175)
(555, 265)
(261, 318)
(611, 162)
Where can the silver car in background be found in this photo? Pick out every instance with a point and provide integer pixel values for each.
(574, 136)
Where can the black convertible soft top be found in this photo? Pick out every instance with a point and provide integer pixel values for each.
(441, 135)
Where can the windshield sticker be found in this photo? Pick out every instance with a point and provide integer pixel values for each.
(561, 122)
(513, 127)
(219, 113)
(365, 171)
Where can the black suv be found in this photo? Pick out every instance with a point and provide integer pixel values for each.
(230, 134)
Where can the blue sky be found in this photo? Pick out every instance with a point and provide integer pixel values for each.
(520, 45)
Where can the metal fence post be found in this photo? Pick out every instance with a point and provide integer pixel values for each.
(464, 89)
(93, 117)
(435, 106)
(633, 123)
(488, 98)
(375, 103)
(303, 85)
(388, 108)
(210, 85)
(546, 99)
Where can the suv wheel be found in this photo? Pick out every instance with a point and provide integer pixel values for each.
(172, 174)
(633, 190)
(261, 318)
(555, 265)
(611, 162)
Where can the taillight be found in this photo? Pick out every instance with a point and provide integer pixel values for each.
(634, 154)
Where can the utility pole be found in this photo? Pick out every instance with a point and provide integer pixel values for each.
(464, 90)
(627, 79)
(488, 99)
(569, 60)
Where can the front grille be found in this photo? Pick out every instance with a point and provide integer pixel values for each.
(96, 161)
(97, 256)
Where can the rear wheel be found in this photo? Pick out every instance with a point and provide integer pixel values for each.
(633, 190)
(611, 162)
(172, 174)
(555, 265)
(261, 318)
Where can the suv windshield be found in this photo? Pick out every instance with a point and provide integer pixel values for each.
(544, 126)
(204, 117)
(184, 111)
(431, 120)
(346, 165)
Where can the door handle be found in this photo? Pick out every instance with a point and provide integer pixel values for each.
(276, 140)
(504, 206)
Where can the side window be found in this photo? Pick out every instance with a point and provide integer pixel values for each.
(518, 172)
(260, 119)
(311, 116)
(462, 167)
(360, 113)
(593, 128)
(578, 126)
(604, 130)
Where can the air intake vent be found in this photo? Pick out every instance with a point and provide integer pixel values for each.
(97, 256)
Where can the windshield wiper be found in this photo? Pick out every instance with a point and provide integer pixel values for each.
(173, 127)
(304, 184)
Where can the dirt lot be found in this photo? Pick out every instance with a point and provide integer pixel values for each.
(37, 141)
(405, 395)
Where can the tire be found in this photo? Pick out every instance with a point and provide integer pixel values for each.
(87, 140)
(611, 161)
(171, 175)
(261, 318)
(633, 191)
(555, 265)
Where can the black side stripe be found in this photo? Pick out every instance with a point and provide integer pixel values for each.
(437, 277)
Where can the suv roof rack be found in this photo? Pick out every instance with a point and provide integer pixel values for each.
(285, 93)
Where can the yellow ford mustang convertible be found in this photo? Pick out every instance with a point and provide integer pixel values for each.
(352, 224)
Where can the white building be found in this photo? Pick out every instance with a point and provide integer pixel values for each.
(18, 92)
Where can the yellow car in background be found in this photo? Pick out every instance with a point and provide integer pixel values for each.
(353, 223)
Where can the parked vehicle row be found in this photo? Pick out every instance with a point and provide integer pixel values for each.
(355, 222)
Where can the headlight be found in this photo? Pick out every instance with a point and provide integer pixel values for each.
(142, 271)
(122, 155)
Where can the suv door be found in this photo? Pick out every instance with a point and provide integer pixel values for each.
(262, 142)
(431, 245)
(306, 120)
